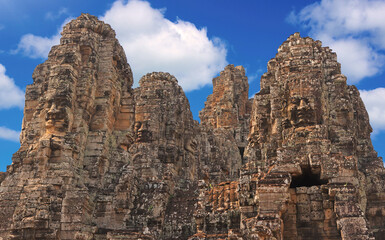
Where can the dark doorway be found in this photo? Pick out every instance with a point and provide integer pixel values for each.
(307, 179)
(241, 151)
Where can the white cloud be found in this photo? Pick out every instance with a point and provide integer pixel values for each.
(55, 15)
(36, 46)
(153, 43)
(10, 94)
(353, 28)
(9, 134)
(358, 59)
(254, 76)
(374, 102)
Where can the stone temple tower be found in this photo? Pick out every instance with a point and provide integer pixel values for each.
(102, 160)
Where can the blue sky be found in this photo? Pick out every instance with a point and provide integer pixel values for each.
(194, 40)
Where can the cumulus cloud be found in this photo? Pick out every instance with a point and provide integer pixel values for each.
(10, 94)
(154, 43)
(353, 28)
(34, 46)
(374, 102)
(55, 15)
(9, 134)
(254, 76)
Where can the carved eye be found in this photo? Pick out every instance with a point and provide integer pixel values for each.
(295, 100)
(137, 126)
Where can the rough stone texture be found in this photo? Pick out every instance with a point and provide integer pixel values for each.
(100, 160)
(229, 106)
(2, 176)
(307, 122)
(310, 170)
(76, 94)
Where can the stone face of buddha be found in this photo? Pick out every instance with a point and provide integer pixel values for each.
(192, 145)
(142, 134)
(302, 106)
(57, 118)
(300, 112)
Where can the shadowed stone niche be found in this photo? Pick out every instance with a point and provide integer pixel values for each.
(307, 179)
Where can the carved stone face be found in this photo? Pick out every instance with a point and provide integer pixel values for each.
(192, 145)
(142, 134)
(57, 118)
(300, 112)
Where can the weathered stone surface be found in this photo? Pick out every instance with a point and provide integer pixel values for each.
(100, 160)
(310, 170)
(307, 122)
(76, 94)
(2, 176)
(229, 106)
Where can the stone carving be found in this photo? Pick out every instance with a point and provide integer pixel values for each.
(101, 160)
(309, 160)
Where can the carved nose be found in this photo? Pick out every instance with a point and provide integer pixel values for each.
(302, 104)
(53, 109)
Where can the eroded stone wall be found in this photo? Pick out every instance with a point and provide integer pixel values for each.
(229, 106)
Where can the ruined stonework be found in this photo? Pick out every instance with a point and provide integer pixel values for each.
(307, 122)
(310, 170)
(229, 106)
(101, 160)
